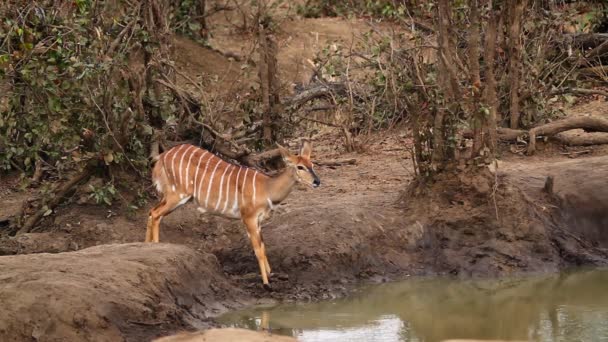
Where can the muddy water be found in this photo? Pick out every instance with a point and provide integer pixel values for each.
(572, 306)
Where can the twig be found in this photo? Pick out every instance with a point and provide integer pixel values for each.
(351, 161)
(319, 121)
(145, 323)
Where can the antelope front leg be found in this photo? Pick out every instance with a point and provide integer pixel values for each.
(149, 229)
(254, 236)
(266, 264)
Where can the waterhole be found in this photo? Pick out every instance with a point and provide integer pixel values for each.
(570, 306)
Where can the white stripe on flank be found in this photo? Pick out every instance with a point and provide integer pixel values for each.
(243, 188)
(188, 170)
(253, 198)
(181, 164)
(173, 162)
(236, 191)
(198, 167)
(200, 185)
(166, 156)
(219, 196)
(228, 189)
(211, 183)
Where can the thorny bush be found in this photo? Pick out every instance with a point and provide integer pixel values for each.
(65, 77)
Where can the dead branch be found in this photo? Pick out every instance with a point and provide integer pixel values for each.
(508, 134)
(587, 40)
(503, 134)
(598, 51)
(600, 71)
(579, 91)
(315, 92)
(588, 123)
(337, 162)
(61, 193)
(259, 159)
(583, 139)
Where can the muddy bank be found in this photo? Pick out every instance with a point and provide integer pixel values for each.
(356, 227)
(131, 292)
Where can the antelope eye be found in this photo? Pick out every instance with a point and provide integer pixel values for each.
(300, 167)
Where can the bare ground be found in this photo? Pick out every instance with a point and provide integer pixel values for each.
(358, 226)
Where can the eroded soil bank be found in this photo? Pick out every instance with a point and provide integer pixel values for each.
(359, 226)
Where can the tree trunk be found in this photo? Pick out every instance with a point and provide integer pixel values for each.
(478, 121)
(515, 56)
(448, 81)
(269, 85)
(202, 11)
(489, 91)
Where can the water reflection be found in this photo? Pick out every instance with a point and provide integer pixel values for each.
(571, 306)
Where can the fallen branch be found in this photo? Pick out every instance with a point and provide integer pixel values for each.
(503, 134)
(146, 323)
(600, 71)
(571, 154)
(598, 51)
(508, 134)
(315, 92)
(583, 139)
(258, 159)
(587, 40)
(339, 162)
(60, 194)
(579, 91)
(588, 123)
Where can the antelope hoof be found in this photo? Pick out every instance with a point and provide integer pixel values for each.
(267, 287)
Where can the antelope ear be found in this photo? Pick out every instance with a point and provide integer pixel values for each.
(306, 149)
(285, 154)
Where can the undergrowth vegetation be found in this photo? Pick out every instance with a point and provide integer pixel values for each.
(89, 87)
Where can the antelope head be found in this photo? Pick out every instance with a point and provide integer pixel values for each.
(301, 164)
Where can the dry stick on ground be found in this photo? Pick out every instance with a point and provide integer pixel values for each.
(61, 192)
(579, 91)
(598, 51)
(337, 162)
(584, 122)
(600, 71)
(584, 139)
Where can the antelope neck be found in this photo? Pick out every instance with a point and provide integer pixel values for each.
(279, 187)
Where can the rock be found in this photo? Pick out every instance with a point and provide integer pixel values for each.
(225, 335)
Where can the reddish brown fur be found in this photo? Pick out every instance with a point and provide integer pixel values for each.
(185, 172)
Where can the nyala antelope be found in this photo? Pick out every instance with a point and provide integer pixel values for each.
(187, 172)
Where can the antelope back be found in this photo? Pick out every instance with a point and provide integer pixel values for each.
(188, 171)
